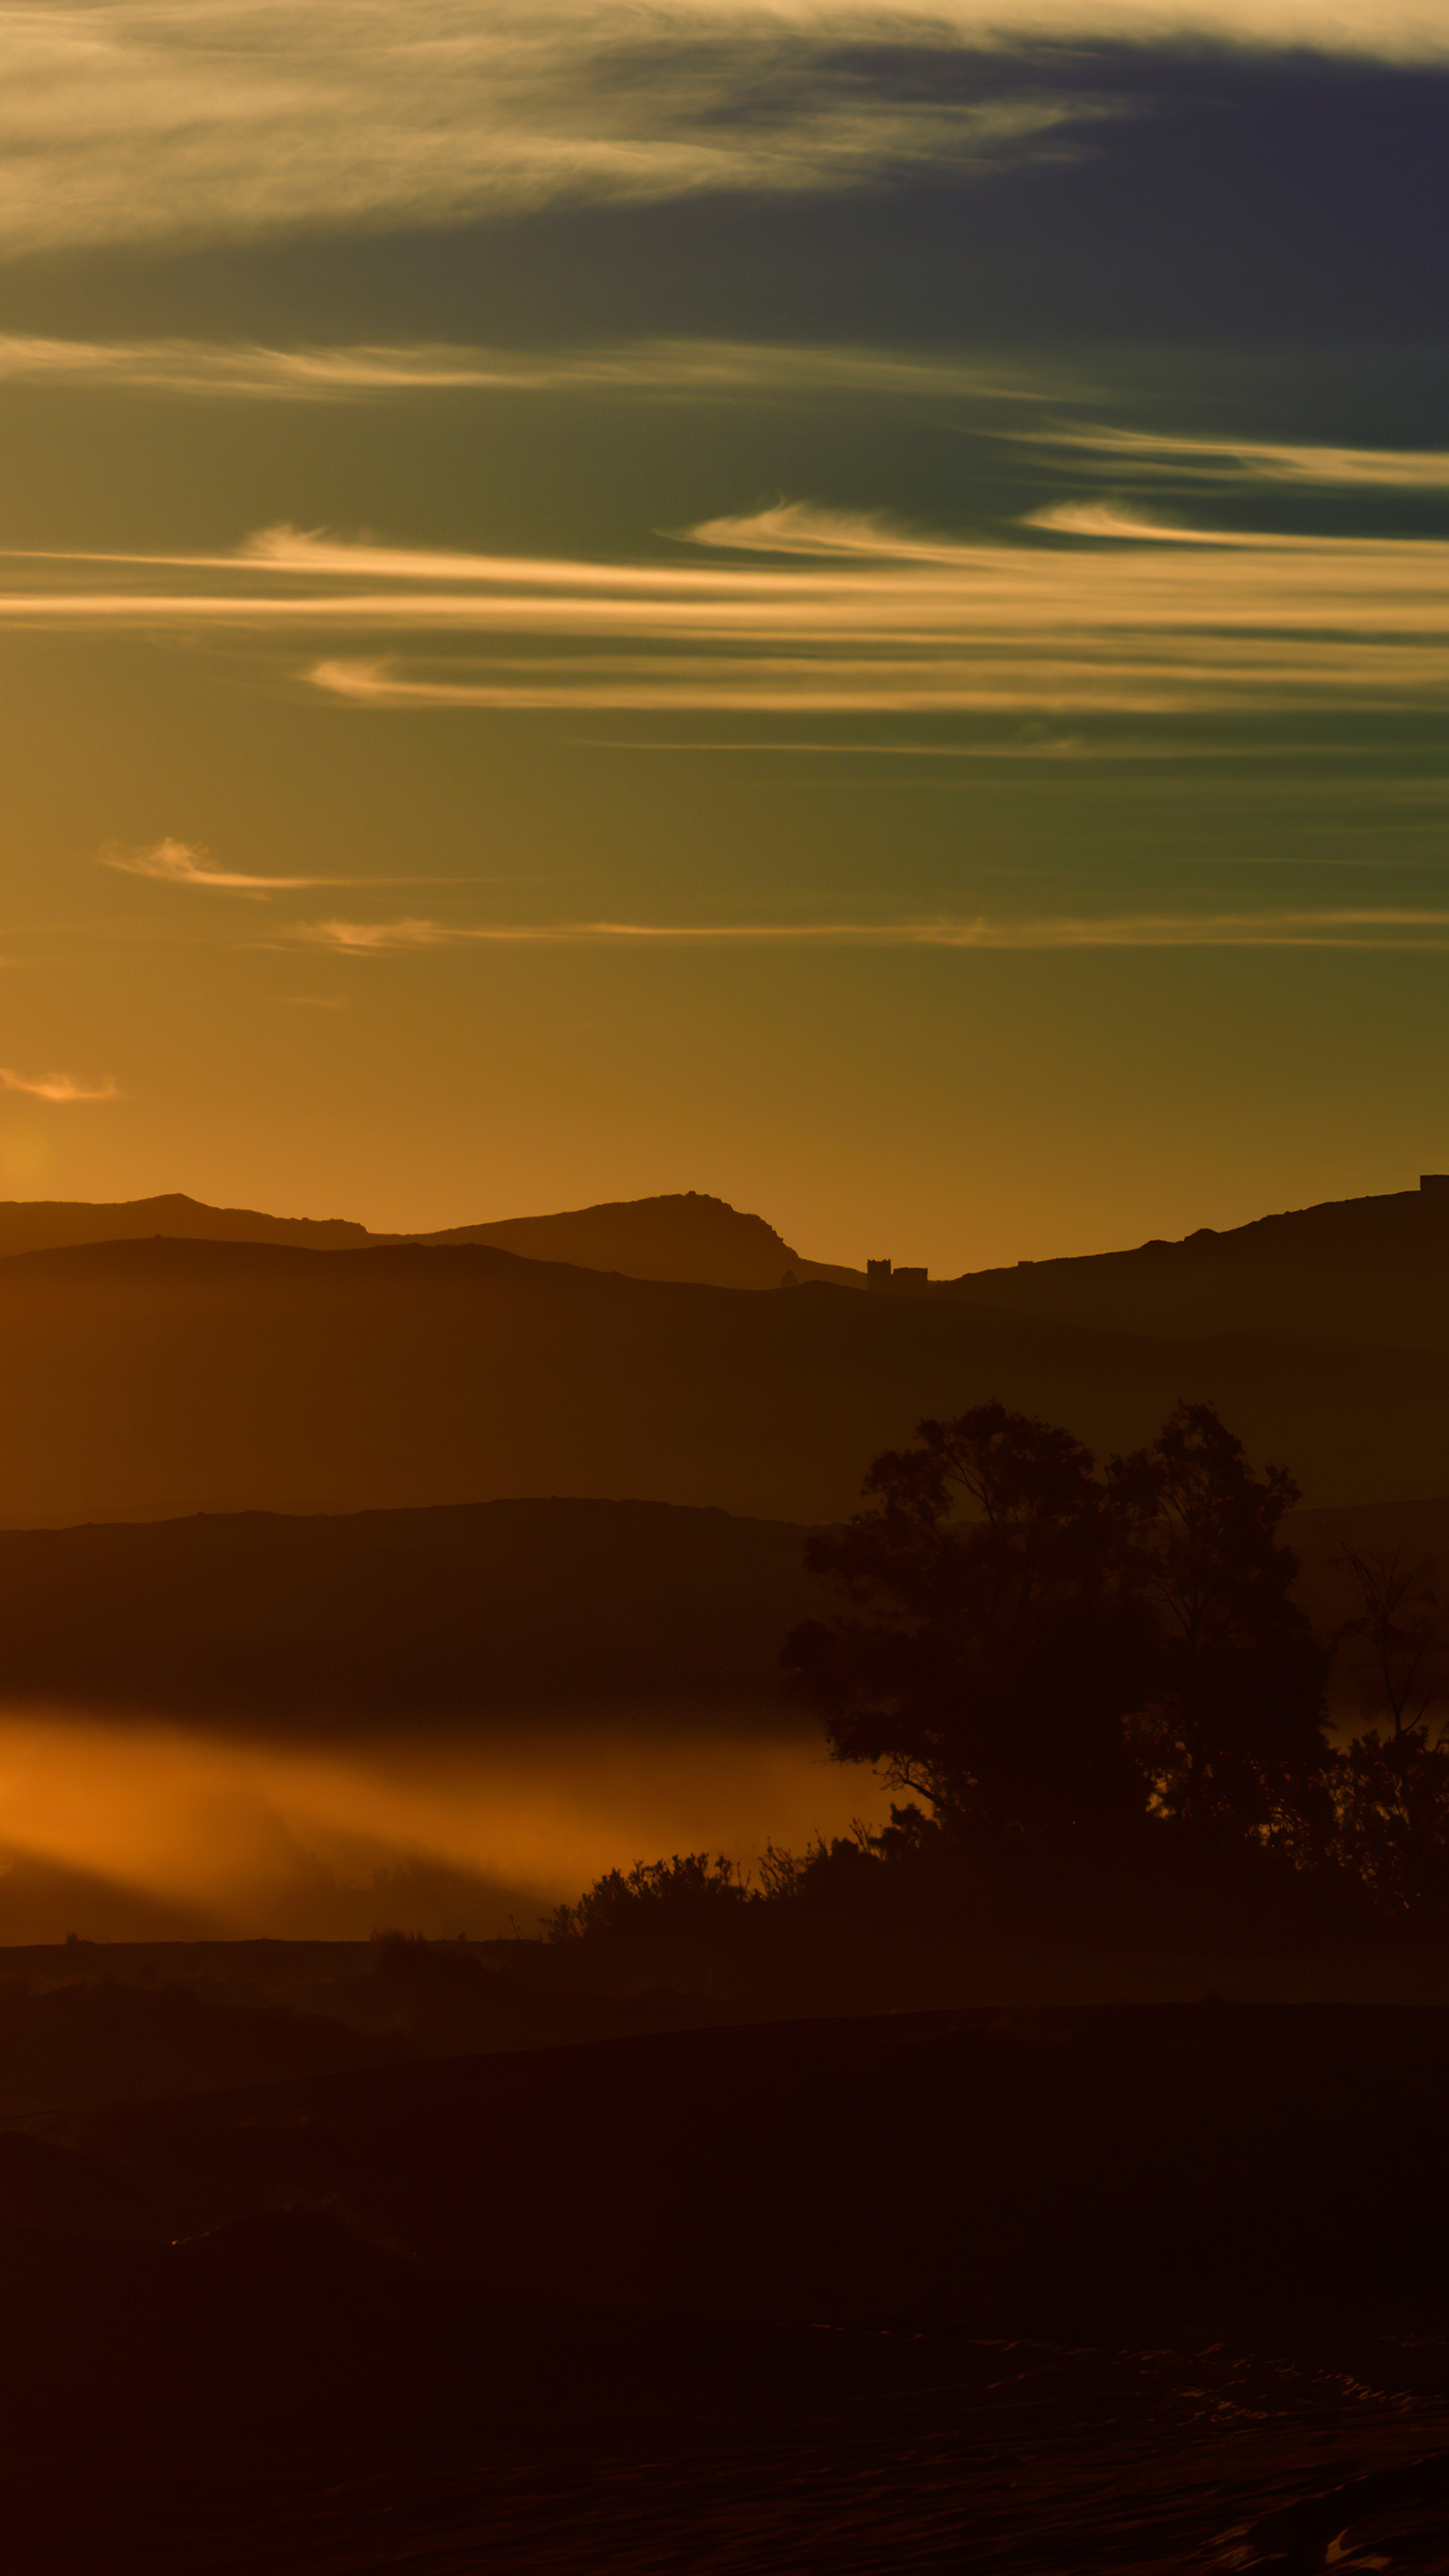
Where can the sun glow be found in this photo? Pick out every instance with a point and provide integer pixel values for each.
(106, 1829)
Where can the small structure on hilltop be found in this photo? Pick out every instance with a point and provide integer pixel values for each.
(884, 1275)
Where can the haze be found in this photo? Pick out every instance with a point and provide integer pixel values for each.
(140, 1833)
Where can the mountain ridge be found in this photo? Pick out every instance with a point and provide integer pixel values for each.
(684, 1235)
(165, 1376)
(1370, 1269)
(1374, 1269)
(717, 1245)
(51, 1225)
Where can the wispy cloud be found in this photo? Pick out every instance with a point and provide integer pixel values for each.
(177, 863)
(714, 368)
(373, 938)
(122, 119)
(61, 1088)
(1118, 524)
(798, 528)
(1345, 927)
(1243, 460)
(1089, 609)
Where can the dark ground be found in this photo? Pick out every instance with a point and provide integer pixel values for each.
(1134, 2288)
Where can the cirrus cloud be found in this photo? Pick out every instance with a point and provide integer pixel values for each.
(177, 863)
(374, 938)
(124, 120)
(1086, 609)
(1383, 926)
(339, 373)
(1246, 460)
(61, 1089)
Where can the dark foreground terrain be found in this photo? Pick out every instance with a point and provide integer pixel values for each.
(1115, 2288)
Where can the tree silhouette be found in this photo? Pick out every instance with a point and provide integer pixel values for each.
(1396, 1649)
(685, 1894)
(1391, 1782)
(1233, 1731)
(990, 1647)
(1032, 1644)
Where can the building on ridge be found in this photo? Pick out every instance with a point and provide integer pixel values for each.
(884, 1275)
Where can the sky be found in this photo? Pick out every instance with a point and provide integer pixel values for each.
(840, 606)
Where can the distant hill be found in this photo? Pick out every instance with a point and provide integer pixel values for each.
(151, 1379)
(44, 1225)
(348, 1624)
(482, 1611)
(686, 1235)
(1359, 1270)
(1371, 1270)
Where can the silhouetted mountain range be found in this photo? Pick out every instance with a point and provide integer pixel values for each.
(178, 1357)
(1358, 1270)
(44, 1225)
(163, 1377)
(1353, 1270)
(685, 1235)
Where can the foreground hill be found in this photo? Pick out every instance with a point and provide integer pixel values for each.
(1355, 1270)
(1018, 2291)
(738, 2169)
(157, 1378)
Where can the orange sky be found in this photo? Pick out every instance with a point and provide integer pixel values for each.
(842, 611)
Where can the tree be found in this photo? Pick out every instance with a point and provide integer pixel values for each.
(1396, 1649)
(1232, 1732)
(1391, 1782)
(990, 1647)
(1032, 1644)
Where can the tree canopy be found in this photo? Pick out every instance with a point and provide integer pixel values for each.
(1031, 1642)
(1098, 1682)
